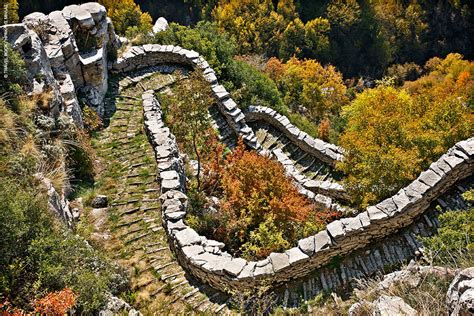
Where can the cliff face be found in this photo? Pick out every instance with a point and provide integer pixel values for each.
(67, 53)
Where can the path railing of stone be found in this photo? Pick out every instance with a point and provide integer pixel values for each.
(146, 56)
(140, 57)
(326, 153)
(205, 258)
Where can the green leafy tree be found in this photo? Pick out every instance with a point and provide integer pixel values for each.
(188, 113)
(317, 39)
(213, 44)
(255, 25)
(293, 39)
(309, 87)
(354, 38)
(252, 87)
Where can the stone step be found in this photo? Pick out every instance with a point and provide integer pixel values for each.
(162, 266)
(171, 276)
(156, 250)
(133, 239)
(125, 202)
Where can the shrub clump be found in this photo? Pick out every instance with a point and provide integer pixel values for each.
(260, 210)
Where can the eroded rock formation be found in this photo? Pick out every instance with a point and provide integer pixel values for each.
(67, 54)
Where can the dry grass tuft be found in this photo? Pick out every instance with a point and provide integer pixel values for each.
(43, 100)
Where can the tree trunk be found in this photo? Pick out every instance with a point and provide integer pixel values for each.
(199, 163)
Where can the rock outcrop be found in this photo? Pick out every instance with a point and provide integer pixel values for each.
(392, 305)
(67, 54)
(117, 306)
(57, 202)
(460, 296)
(161, 25)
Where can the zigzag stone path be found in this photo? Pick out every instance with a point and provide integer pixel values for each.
(134, 213)
(340, 238)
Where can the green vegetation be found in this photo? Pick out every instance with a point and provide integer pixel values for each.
(128, 17)
(454, 243)
(259, 210)
(187, 109)
(39, 255)
(16, 73)
(249, 86)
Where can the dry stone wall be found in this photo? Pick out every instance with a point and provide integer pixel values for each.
(207, 260)
(140, 57)
(326, 152)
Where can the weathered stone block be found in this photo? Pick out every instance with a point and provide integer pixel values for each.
(295, 255)
(192, 251)
(429, 178)
(336, 229)
(235, 266)
(322, 241)
(279, 261)
(351, 225)
(187, 237)
(307, 245)
(248, 270)
(375, 214)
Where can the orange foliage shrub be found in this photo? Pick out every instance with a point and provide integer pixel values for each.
(261, 211)
(56, 303)
(6, 309)
(323, 129)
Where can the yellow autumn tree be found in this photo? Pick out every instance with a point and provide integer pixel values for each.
(254, 24)
(393, 134)
(126, 14)
(309, 87)
(11, 7)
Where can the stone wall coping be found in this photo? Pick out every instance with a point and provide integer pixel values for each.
(148, 55)
(329, 153)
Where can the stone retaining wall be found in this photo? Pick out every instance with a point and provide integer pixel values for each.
(311, 188)
(326, 152)
(206, 259)
(150, 55)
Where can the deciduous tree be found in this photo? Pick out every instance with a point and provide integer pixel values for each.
(188, 113)
(127, 14)
(393, 134)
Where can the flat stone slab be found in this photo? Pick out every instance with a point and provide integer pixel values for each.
(307, 245)
(187, 237)
(322, 241)
(279, 261)
(295, 255)
(235, 266)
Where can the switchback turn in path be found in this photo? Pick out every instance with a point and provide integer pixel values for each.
(132, 228)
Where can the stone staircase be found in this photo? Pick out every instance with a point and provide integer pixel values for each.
(137, 236)
(272, 139)
(226, 134)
